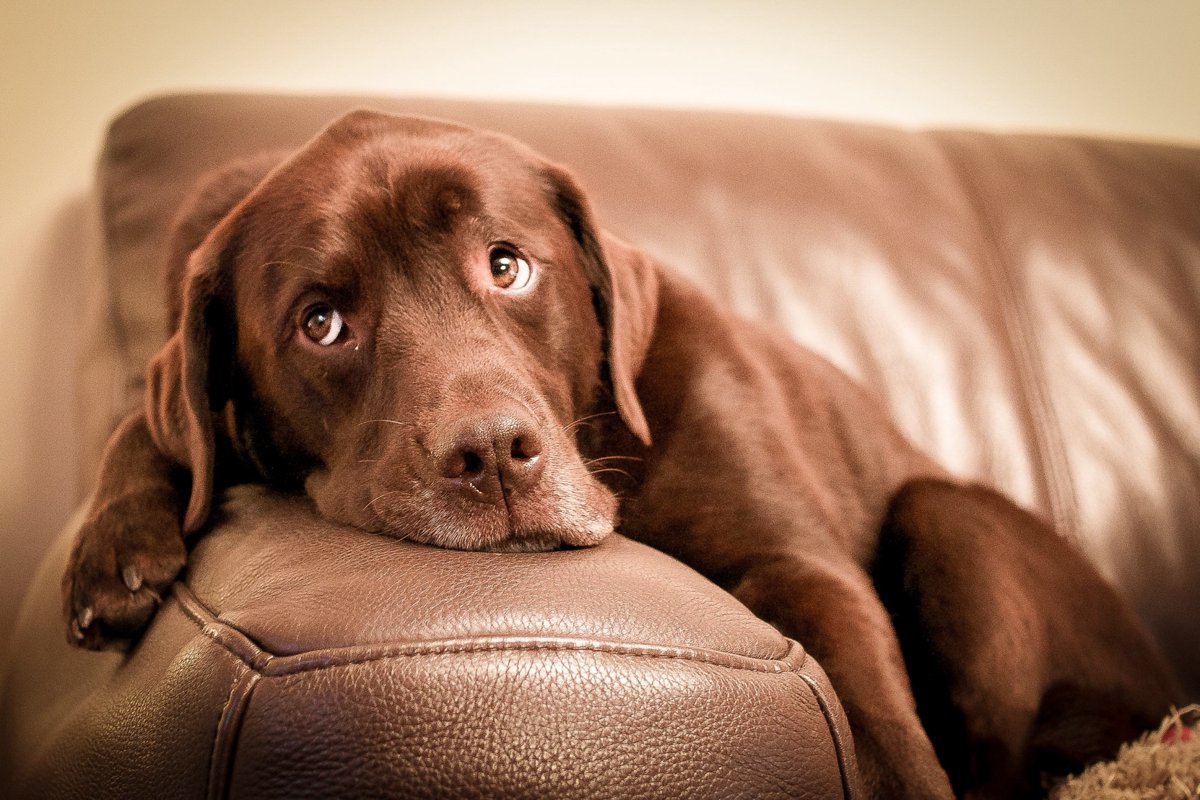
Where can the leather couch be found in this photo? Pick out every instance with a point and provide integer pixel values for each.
(1026, 306)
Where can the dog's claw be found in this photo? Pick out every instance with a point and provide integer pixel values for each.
(124, 559)
(133, 578)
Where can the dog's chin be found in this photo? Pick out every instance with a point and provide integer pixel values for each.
(538, 543)
(494, 531)
(463, 535)
(582, 515)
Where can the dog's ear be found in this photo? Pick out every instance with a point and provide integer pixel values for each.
(625, 290)
(181, 389)
(178, 397)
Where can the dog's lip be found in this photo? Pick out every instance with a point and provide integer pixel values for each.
(512, 542)
(539, 543)
(544, 541)
(517, 527)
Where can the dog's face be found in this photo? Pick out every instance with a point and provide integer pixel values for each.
(409, 318)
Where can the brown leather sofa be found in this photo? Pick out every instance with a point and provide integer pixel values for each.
(1026, 305)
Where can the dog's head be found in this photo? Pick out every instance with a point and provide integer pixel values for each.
(407, 318)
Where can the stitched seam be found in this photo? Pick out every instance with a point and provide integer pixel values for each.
(215, 784)
(1049, 447)
(217, 773)
(839, 746)
(191, 606)
(466, 647)
(269, 664)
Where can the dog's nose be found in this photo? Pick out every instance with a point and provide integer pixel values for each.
(489, 456)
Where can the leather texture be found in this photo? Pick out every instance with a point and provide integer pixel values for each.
(1026, 306)
(301, 659)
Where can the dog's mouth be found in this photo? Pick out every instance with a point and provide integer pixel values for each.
(537, 543)
(527, 527)
(568, 509)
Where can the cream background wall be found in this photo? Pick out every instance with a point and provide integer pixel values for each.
(1112, 67)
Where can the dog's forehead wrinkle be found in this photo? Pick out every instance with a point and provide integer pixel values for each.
(416, 341)
(483, 167)
(408, 314)
(405, 213)
(296, 269)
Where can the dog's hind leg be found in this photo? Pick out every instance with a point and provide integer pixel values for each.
(1023, 661)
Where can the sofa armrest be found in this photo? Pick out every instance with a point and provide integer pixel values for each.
(296, 658)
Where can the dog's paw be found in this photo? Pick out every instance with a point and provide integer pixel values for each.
(125, 557)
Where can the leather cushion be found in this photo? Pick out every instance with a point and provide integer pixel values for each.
(297, 658)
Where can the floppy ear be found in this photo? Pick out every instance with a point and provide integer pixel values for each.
(179, 387)
(178, 405)
(625, 290)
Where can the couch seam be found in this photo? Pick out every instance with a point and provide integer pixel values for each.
(268, 664)
(1049, 448)
(225, 734)
(216, 783)
(283, 665)
(839, 745)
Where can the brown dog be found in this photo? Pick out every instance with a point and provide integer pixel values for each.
(420, 326)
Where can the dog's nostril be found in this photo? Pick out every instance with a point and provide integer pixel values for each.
(523, 450)
(463, 463)
(472, 464)
(526, 445)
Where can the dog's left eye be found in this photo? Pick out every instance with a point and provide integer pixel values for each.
(510, 272)
(323, 324)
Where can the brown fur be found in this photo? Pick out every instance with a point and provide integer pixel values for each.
(952, 623)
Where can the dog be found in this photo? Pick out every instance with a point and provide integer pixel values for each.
(422, 327)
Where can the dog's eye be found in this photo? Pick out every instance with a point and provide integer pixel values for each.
(509, 271)
(323, 325)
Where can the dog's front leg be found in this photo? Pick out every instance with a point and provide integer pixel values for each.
(833, 610)
(130, 547)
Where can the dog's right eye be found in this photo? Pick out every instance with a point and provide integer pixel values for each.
(323, 324)
(510, 272)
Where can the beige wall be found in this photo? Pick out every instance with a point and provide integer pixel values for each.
(1104, 66)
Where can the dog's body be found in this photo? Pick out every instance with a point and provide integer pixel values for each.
(421, 327)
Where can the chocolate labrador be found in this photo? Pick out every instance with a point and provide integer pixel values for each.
(420, 326)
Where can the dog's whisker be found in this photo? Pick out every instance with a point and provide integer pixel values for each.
(582, 420)
(310, 249)
(603, 470)
(388, 422)
(600, 459)
(380, 497)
